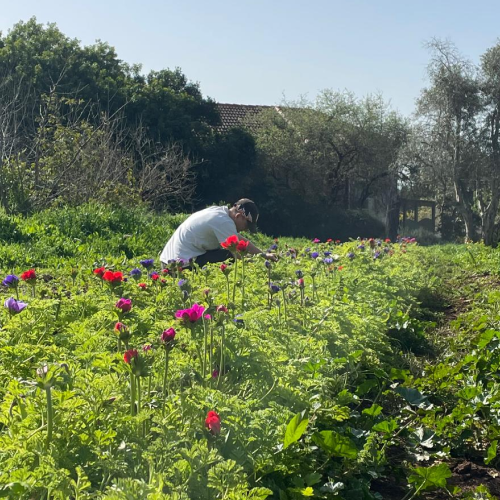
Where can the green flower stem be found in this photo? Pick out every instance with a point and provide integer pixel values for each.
(119, 345)
(210, 351)
(138, 379)
(235, 276)
(242, 282)
(205, 349)
(228, 288)
(198, 352)
(284, 306)
(269, 295)
(167, 352)
(132, 394)
(50, 417)
(221, 366)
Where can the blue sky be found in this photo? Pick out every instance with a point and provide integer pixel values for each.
(257, 51)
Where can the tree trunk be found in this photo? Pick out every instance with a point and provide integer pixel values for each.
(488, 227)
(463, 205)
(392, 213)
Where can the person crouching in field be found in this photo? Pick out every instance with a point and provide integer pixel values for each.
(199, 237)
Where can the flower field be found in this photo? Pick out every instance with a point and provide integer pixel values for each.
(363, 369)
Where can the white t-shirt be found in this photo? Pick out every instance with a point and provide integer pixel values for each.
(202, 231)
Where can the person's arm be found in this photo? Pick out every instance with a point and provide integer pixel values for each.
(254, 250)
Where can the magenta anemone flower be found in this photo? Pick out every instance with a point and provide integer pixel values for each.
(191, 315)
(124, 305)
(168, 335)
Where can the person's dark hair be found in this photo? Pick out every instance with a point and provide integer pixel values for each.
(249, 209)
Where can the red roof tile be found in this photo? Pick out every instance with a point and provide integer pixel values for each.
(239, 115)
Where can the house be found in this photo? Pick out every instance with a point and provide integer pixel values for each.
(240, 115)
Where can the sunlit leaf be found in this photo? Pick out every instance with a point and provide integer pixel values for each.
(294, 430)
(335, 444)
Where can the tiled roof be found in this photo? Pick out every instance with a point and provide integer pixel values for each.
(237, 115)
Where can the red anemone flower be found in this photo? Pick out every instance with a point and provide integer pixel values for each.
(99, 271)
(29, 276)
(113, 278)
(130, 355)
(242, 246)
(212, 423)
(230, 243)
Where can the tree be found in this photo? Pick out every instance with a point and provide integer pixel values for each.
(449, 108)
(338, 151)
(89, 91)
(489, 194)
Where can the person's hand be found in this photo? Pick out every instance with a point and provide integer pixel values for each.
(270, 256)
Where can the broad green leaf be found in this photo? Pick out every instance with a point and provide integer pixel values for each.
(387, 426)
(413, 396)
(469, 392)
(335, 444)
(366, 386)
(312, 479)
(491, 453)
(398, 374)
(294, 430)
(428, 477)
(373, 411)
(485, 338)
(259, 493)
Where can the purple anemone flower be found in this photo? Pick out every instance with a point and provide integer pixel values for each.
(299, 273)
(314, 255)
(147, 263)
(238, 321)
(327, 254)
(274, 288)
(182, 283)
(14, 306)
(11, 281)
(267, 264)
(328, 260)
(351, 255)
(136, 273)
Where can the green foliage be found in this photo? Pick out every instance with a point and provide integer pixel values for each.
(294, 430)
(315, 403)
